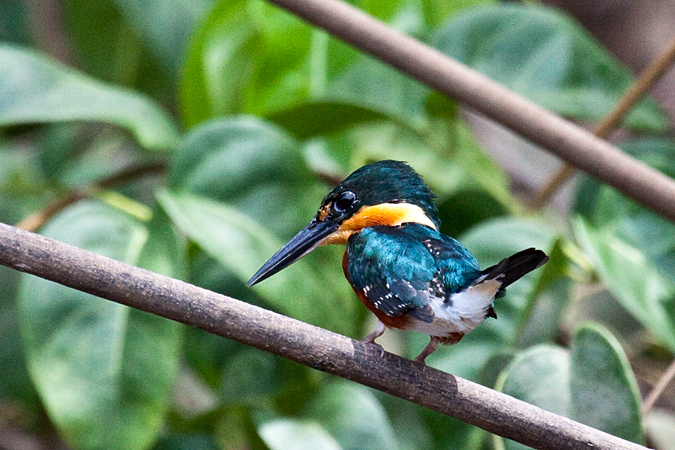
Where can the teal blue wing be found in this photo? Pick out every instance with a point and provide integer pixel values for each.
(400, 268)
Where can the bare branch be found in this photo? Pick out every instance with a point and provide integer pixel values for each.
(571, 143)
(314, 347)
(647, 78)
(661, 386)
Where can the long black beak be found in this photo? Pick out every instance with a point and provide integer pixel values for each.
(302, 243)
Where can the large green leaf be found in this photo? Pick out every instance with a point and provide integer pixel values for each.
(323, 117)
(484, 171)
(14, 381)
(252, 165)
(599, 369)
(592, 383)
(354, 416)
(294, 434)
(239, 388)
(437, 11)
(376, 85)
(34, 89)
(606, 208)
(251, 57)
(242, 245)
(104, 371)
(546, 57)
(632, 279)
(165, 26)
(245, 57)
(540, 320)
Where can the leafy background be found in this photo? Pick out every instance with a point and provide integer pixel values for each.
(193, 137)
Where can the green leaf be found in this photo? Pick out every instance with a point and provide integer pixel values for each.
(372, 84)
(246, 57)
(546, 57)
(252, 165)
(165, 251)
(104, 371)
(106, 47)
(251, 57)
(466, 209)
(436, 11)
(641, 228)
(294, 434)
(323, 117)
(15, 383)
(492, 241)
(354, 416)
(389, 140)
(632, 279)
(187, 441)
(165, 26)
(592, 383)
(34, 89)
(242, 245)
(239, 388)
(540, 376)
(546, 303)
(486, 173)
(605, 394)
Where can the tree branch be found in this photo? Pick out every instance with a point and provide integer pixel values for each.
(309, 345)
(571, 143)
(661, 386)
(647, 78)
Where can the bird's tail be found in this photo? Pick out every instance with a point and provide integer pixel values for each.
(515, 266)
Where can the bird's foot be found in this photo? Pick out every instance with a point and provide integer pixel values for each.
(428, 350)
(377, 346)
(370, 339)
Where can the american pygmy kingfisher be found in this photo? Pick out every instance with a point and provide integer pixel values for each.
(401, 267)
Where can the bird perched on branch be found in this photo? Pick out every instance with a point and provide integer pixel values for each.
(401, 267)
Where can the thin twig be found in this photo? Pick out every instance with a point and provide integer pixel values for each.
(654, 395)
(309, 345)
(644, 83)
(570, 142)
(36, 220)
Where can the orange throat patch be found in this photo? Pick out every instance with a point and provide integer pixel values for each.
(388, 214)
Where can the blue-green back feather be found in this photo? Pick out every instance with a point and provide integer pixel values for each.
(399, 268)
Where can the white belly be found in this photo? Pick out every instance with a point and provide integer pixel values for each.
(465, 311)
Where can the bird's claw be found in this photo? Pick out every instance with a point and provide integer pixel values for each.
(379, 347)
(419, 360)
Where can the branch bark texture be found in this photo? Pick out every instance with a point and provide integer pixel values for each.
(298, 341)
(571, 143)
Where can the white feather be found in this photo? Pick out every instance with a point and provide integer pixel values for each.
(465, 312)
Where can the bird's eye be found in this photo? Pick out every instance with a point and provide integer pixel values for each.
(345, 201)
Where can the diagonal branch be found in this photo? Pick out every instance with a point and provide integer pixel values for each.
(661, 386)
(571, 143)
(644, 83)
(298, 341)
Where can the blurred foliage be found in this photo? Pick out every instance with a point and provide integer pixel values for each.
(202, 134)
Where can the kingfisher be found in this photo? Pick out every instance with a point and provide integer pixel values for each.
(401, 267)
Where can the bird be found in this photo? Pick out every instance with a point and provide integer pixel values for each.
(401, 267)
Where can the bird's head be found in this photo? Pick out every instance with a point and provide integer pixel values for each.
(382, 193)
